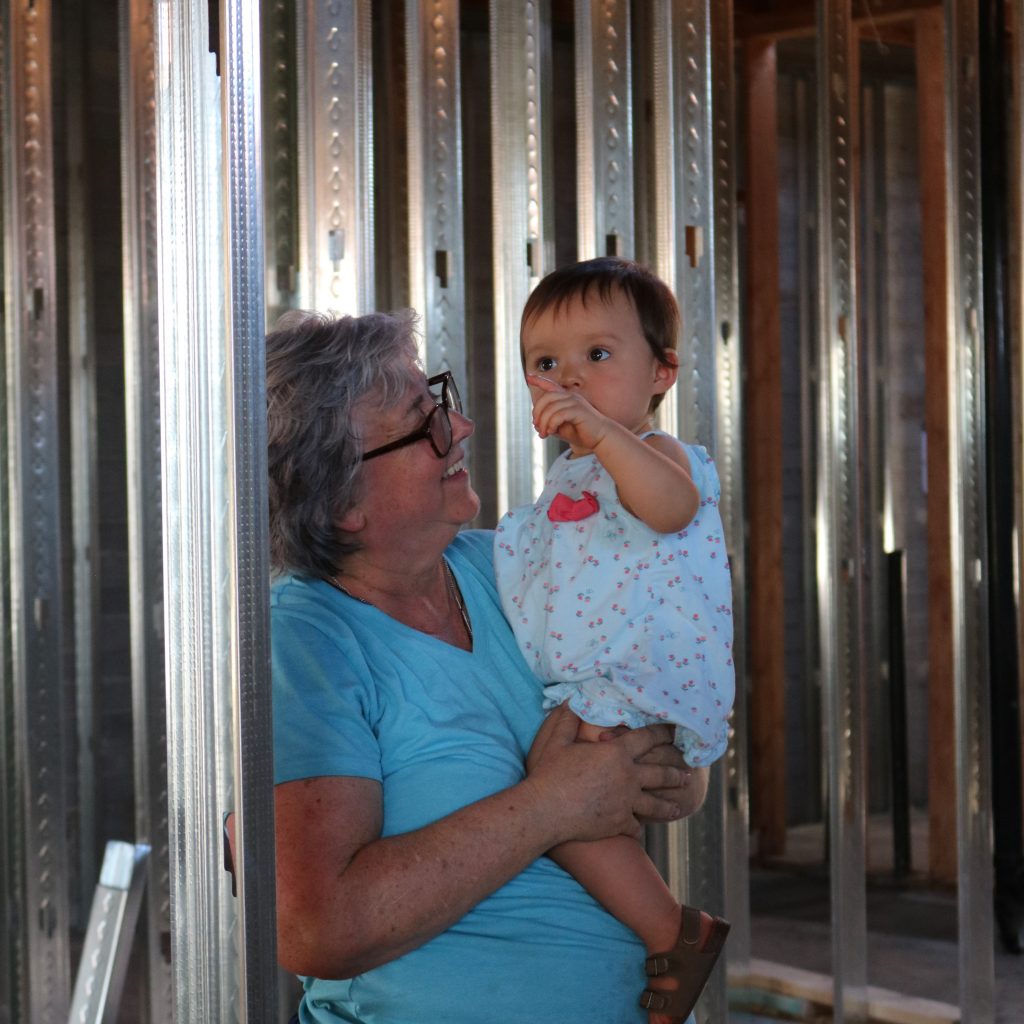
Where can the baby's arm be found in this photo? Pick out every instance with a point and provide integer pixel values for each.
(652, 475)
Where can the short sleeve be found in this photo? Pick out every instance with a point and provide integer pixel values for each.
(704, 473)
(324, 703)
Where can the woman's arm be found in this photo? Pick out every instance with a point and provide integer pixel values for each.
(349, 900)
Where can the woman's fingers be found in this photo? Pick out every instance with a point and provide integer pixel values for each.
(557, 729)
(640, 741)
(652, 807)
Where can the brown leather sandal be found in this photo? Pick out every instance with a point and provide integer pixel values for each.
(689, 965)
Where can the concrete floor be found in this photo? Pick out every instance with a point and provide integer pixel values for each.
(912, 933)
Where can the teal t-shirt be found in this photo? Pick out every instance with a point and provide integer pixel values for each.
(357, 693)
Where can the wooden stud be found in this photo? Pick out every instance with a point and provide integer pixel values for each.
(763, 419)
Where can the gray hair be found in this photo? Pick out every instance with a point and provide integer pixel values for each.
(319, 368)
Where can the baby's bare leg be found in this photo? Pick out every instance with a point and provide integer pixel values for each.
(619, 874)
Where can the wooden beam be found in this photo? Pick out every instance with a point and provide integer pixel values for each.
(890, 33)
(763, 419)
(930, 50)
(795, 20)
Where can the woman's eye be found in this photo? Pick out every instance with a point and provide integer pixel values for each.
(545, 363)
(598, 355)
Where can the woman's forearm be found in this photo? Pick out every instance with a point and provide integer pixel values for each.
(398, 892)
(350, 900)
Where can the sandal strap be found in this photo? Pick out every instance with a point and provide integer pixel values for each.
(690, 965)
(655, 965)
(689, 929)
(654, 1001)
(689, 935)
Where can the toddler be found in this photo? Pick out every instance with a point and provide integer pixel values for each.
(616, 582)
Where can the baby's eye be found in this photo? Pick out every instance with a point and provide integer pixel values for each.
(545, 363)
(598, 355)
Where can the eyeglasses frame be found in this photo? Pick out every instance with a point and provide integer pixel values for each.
(450, 400)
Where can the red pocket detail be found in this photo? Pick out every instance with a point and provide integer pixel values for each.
(565, 510)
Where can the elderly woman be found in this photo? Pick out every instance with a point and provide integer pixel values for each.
(415, 796)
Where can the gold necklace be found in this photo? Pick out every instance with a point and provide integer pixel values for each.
(453, 590)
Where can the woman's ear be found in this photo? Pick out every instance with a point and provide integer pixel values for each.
(665, 373)
(353, 520)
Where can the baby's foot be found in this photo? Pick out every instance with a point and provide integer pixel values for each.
(677, 943)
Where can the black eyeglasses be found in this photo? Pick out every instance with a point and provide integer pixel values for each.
(437, 429)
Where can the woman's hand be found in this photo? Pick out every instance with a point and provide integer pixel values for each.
(594, 790)
(689, 795)
(693, 784)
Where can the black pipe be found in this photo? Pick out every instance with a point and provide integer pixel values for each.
(900, 771)
(1007, 804)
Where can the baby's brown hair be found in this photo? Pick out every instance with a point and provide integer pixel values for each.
(655, 305)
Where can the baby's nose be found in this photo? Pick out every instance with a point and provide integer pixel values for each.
(570, 377)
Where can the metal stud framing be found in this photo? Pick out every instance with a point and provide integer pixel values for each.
(968, 519)
(194, 375)
(10, 951)
(336, 137)
(107, 947)
(683, 255)
(604, 129)
(436, 248)
(684, 204)
(84, 517)
(733, 776)
(35, 538)
(145, 530)
(838, 511)
(522, 216)
(281, 169)
(249, 683)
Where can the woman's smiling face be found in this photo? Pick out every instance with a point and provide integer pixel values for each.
(410, 488)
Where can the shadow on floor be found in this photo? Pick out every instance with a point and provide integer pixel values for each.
(912, 936)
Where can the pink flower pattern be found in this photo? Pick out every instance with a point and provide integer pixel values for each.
(628, 625)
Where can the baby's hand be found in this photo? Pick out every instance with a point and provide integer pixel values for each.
(565, 413)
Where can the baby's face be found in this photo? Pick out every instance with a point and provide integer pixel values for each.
(599, 349)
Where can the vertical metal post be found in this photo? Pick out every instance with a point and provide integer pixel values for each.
(82, 387)
(336, 153)
(248, 690)
(523, 224)
(195, 387)
(604, 129)
(968, 535)
(684, 215)
(281, 170)
(11, 953)
(145, 506)
(838, 527)
(436, 248)
(35, 539)
(728, 340)
(684, 255)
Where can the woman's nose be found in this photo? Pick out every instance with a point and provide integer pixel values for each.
(462, 426)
